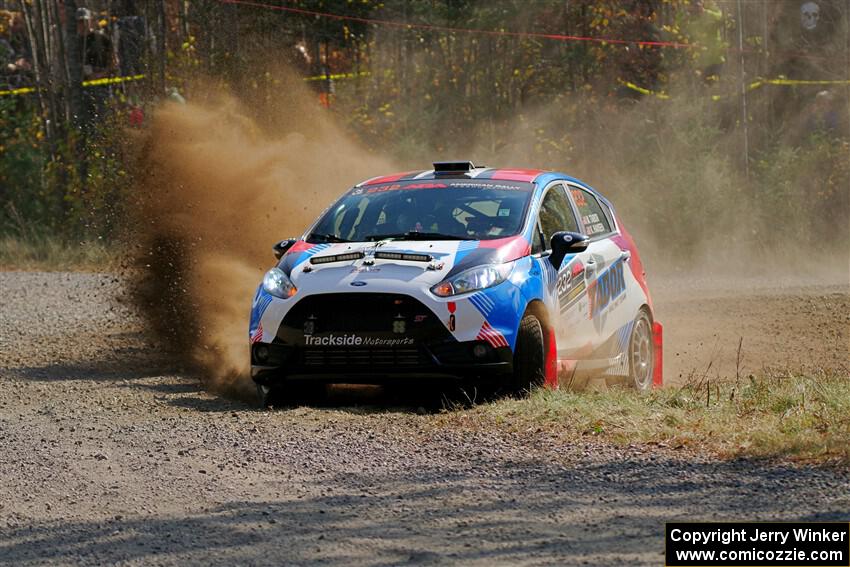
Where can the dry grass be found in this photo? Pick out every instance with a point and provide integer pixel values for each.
(42, 253)
(786, 416)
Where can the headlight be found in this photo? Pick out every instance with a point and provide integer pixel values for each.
(480, 277)
(276, 283)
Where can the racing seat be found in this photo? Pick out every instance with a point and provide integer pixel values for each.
(447, 223)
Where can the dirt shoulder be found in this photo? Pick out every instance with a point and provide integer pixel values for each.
(781, 323)
(110, 456)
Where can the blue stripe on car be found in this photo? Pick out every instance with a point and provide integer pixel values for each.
(261, 302)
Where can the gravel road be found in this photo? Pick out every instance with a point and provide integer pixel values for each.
(110, 455)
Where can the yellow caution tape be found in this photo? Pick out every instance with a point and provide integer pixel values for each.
(642, 90)
(24, 90)
(91, 83)
(791, 82)
(114, 80)
(337, 76)
(800, 82)
(751, 87)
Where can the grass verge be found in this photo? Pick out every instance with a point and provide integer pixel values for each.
(779, 415)
(44, 253)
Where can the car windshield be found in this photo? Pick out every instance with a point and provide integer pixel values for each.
(456, 209)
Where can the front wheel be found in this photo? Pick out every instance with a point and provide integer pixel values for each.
(529, 356)
(290, 394)
(264, 396)
(641, 353)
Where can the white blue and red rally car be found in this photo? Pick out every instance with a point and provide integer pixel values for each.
(511, 276)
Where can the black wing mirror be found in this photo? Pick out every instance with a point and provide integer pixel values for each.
(564, 243)
(281, 247)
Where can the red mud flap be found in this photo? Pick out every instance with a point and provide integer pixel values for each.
(658, 366)
(551, 377)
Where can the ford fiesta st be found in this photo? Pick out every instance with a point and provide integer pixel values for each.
(508, 276)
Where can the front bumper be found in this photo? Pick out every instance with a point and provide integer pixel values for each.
(272, 362)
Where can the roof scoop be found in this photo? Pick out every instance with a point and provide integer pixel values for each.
(452, 167)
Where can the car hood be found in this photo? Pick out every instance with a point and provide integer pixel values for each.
(326, 268)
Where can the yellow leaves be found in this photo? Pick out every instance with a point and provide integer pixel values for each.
(385, 110)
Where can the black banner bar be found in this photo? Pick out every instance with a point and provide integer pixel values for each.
(754, 544)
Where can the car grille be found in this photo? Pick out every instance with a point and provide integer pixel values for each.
(362, 312)
(363, 357)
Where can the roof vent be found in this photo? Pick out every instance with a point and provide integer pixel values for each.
(452, 167)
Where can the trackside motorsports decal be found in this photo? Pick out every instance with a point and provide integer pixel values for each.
(354, 340)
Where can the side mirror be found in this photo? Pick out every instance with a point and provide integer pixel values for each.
(564, 243)
(281, 247)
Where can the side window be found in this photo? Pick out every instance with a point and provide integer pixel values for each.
(556, 214)
(593, 219)
(537, 246)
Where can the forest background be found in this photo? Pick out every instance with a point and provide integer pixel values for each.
(709, 124)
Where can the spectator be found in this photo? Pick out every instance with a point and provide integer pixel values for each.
(95, 47)
(175, 96)
(131, 38)
(14, 50)
(136, 115)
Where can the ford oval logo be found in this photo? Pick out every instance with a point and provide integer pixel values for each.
(358, 284)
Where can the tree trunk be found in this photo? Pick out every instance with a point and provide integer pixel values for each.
(162, 28)
(73, 56)
(35, 49)
(70, 55)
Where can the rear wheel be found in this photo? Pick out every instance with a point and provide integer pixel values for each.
(641, 353)
(529, 356)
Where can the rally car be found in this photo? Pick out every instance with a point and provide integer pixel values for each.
(513, 277)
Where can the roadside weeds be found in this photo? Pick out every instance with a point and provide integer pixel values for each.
(777, 415)
(51, 254)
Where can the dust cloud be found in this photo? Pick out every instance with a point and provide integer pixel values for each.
(218, 186)
(665, 165)
(215, 191)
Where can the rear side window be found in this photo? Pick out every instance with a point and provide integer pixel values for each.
(593, 219)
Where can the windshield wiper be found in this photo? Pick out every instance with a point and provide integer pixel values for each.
(415, 235)
(326, 237)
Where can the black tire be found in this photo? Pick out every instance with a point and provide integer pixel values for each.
(641, 353)
(529, 356)
(264, 396)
